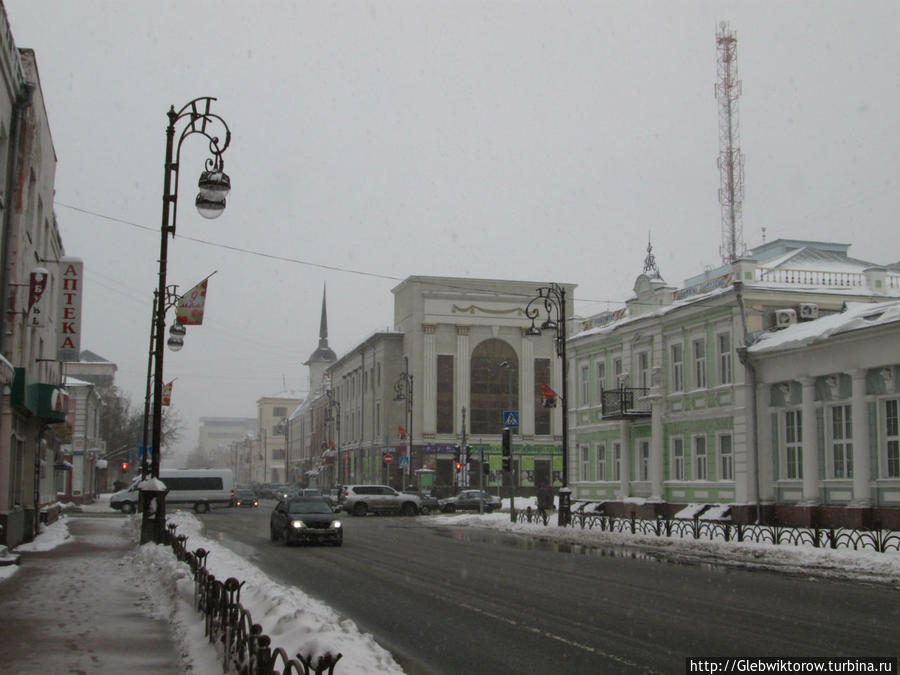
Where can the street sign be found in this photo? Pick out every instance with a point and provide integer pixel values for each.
(388, 459)
(404, 461)
(510, 418)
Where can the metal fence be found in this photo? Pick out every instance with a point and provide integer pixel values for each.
(246, 649)
(881, 541)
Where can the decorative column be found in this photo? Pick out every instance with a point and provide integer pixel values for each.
(625, 459)
(810, 443)
(428, 387)
(526, 387)
(862, 470)
(463, 371)
(657, 407)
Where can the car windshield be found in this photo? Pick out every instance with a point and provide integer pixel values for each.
(243, 494)
(309, 506)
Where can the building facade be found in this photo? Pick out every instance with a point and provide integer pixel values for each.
(269, 464)
(84, 452)
(665, 412)
(828, 406)
(35, 279)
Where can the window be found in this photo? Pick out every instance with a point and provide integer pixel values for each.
(493, 388)
(677, 459)
(585, 385)
(726, 458)
(617, 461)
(892, 436)
(643, 363)
(699, 348)
(279, 412)
(601, 376)
(617, 371)
(586, 462)
(793, 444)
(841, 442)
(700, 457)
(678, 367)
(601, 461)
(444, 403)
(723, 341)
(644, 458)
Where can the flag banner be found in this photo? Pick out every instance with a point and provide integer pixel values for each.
(548, 396)
(189, 310)
(401, 431)
(167, 393)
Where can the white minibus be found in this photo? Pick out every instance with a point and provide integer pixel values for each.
(198, 487)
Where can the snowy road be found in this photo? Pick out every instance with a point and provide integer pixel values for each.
(448, 600)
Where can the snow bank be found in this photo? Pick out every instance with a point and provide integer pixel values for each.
(294, 621)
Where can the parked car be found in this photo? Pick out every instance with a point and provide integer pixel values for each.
(245, 498)
(362, 499)
(305, 519)
(429, 503)
(471, 500)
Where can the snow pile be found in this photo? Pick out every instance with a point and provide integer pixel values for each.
(296, 622)
(862, 565)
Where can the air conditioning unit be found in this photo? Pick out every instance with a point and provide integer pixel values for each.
(809, 310)
(785, 318)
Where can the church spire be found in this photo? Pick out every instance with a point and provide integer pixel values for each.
(323, 324)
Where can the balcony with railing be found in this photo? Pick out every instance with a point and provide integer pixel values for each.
(625, 402)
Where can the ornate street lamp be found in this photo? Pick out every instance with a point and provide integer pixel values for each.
(195, 118)
(404, 388)
(552, 300)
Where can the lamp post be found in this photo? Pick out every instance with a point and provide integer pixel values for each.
(404, 388)
(194, 117)
(335, 419)
(552, 300)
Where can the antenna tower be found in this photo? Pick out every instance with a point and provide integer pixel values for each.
(731, 159)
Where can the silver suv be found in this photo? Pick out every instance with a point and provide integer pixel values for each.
(359, 500)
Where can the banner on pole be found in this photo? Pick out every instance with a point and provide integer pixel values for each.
(189, 310)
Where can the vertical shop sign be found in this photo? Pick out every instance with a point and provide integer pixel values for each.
(71, 286)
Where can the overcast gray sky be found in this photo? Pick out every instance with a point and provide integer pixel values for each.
(376, 140)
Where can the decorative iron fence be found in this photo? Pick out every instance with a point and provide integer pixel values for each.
(246, 649)
(881, 541)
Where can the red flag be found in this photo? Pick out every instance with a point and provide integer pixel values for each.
(548, 396)
(401, 431)
(167, 393)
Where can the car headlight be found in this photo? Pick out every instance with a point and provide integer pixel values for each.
(336, 524)
(297, 524)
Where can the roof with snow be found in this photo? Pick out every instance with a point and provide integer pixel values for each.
(858, 315)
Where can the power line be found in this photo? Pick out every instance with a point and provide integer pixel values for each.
(298, 261)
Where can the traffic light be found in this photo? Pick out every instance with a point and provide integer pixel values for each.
(507, 449)
(124, 467)
(468, 454)
(456, 455)
(458, 466)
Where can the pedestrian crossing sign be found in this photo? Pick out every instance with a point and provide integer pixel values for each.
(511, 418)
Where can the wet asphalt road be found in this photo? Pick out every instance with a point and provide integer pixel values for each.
(466, 600)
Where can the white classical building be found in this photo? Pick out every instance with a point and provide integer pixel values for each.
(666, 414)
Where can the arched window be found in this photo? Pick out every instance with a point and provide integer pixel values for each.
(494, 387)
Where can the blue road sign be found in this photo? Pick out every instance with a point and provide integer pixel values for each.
(510, 418)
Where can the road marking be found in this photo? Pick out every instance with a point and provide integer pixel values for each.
(547, 634)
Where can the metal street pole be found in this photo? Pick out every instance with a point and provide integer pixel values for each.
(214, 186)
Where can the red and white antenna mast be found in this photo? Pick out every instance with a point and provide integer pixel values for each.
(731, 160)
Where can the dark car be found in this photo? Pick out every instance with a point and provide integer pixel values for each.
(305, 519)
(429, 504)
(245, 498)
(471, 500)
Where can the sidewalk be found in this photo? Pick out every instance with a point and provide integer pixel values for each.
(77, 609)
